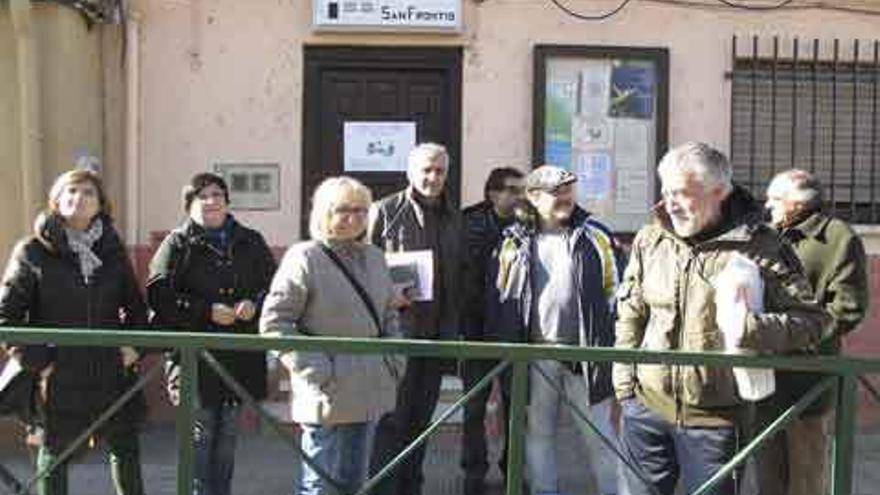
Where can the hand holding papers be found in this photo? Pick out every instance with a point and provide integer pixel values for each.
(412, 273)
(738, 290)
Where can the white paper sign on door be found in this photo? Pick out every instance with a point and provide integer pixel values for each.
(377, 146)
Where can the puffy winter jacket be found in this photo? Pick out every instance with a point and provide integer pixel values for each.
(43, 287)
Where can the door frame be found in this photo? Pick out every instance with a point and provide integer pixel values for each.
(317, 58)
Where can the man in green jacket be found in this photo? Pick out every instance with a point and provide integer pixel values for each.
(834, 261)
(682, 421)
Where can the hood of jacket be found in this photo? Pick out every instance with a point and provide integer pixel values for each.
(48, 229)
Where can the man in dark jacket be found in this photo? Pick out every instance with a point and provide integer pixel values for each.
(552, 281)
(484, 223)
(834, 261)
(419, 218)
(682, 421)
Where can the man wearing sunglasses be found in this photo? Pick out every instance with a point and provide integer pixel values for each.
(484, 223)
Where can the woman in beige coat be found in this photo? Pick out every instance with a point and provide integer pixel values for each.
(335, 397)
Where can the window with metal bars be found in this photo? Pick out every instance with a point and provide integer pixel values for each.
(821, 115)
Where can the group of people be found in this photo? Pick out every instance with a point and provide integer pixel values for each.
(526, 265)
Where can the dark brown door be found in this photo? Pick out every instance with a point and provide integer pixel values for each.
(346, 84)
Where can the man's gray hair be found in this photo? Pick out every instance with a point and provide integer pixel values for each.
(800, 186)
(427, 153)
(707, 163)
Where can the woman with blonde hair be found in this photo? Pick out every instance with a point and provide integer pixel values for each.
(335, 285)
(73, 271)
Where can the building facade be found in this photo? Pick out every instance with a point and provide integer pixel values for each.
(277, 94)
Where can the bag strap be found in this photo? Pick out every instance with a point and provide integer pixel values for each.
(365, 298)
(389, 366)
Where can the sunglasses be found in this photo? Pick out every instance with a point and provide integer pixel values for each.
(513, 189)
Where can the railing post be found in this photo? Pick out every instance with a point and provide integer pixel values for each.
(189, 379)
(517, 436)
(844, 435)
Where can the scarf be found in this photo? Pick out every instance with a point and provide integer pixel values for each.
(81, 243)
(219, 238)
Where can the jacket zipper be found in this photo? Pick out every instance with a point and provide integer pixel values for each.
(679, 372)
(577, 264)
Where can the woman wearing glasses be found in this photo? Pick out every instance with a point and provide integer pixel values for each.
(335, 285)
(211, 275)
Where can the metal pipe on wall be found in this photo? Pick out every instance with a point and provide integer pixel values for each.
(30, 129)
(132, 128)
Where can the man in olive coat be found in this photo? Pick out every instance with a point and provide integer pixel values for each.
(683, 421)
(834, 261)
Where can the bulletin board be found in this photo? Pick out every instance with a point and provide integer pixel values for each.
(602, 113)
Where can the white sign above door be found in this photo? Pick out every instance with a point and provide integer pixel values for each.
(387, 15)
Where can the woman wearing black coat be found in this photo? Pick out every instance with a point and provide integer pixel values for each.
(74, 272)
(211, 275)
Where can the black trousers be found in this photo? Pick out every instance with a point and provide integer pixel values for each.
(417, 397)
(474, 459)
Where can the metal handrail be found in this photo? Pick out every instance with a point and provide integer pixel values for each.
(842, 370)
(454, 349)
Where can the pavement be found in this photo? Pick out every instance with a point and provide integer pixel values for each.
(266, 464)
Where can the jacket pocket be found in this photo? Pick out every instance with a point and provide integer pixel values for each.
(708, 386)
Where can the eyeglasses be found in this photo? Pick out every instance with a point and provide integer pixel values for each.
(210, 195)
(350, 211)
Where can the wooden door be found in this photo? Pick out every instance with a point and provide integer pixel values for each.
(343, 84)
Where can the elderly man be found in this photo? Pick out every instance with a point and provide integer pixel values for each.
(682, 420)
(484, 223)
(834, 262)
(552, 281)
(420, 217)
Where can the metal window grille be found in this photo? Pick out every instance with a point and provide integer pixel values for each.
(800, 110)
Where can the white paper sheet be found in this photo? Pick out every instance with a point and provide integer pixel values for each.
(414, 272)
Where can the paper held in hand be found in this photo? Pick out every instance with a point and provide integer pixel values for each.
(412, 273)
(11, 370)
(738, 290)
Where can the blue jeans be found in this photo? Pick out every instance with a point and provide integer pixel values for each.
(340, 450)
(214, 433)
(663, 451)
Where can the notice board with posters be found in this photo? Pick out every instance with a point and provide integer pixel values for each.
(602, 113)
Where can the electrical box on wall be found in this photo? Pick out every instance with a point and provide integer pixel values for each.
(387, 15)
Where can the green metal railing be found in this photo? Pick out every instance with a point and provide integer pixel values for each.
(843, 375)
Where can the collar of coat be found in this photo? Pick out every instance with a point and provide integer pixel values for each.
(446, 207)
(196, 234)
(526, 224)
(813, 226)
(49, 231)
(741, 217)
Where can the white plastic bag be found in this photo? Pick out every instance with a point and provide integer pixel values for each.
(738, 290)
